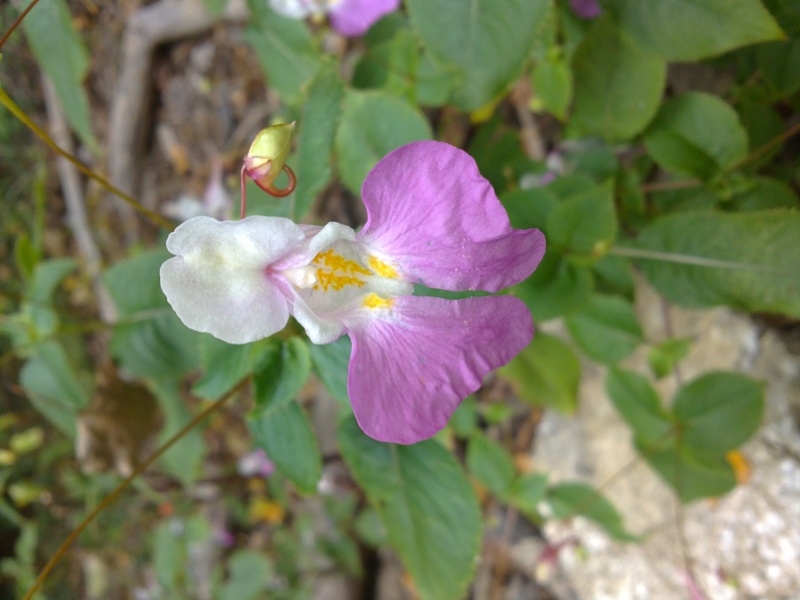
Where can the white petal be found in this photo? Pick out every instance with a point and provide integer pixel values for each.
(218, 282)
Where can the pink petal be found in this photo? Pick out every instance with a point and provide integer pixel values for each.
(409, 371)
(433, 215)
(353, 18)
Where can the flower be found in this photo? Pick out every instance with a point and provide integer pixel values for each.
(586, 9)
(433, 220)
(351, 18)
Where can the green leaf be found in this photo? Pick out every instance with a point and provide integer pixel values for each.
(556, 288)
(697, 135)
(527, 491)
(185, 458)
(134, 283)
(639, 404)
(157, 347)
(53, 387)
(552, 85)
(373, 124)
(63, 56)
(285, 50)
(665, 356)
(315, 139)
(426, 504)
(488, 41)
(618, 85)
(760, 250)
(569, 500)
(224, 366)
(529, 208)
(390, 65)
(331, 362)
(763, 194)
(280, 373)
(687, 30)
(286, 436)
(249, 573)
(719, 411)
(606, 330)
(787, 13)
(465, 419)
(691, 475)
(779, 64)
(546, 373)
(490, 464)
(585, 223)
(26, 255)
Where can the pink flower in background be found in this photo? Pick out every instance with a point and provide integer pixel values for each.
(586, 9)
(432, 219)
(351, 18)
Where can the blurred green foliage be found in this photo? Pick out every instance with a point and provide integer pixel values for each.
(639, 175)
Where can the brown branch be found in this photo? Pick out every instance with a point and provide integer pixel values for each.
(148, 28)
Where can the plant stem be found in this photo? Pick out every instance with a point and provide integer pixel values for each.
(686, 259)
(6, 101)
(16, 23)
(122, 486)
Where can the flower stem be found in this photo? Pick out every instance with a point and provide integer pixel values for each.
(122, 486)
(688, 259)
(6, 101)
(16, 23)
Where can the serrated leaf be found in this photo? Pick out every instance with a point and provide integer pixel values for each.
(286, 436)
(546, 373)
(284, 48)
(280, 373)
(426, 504)
(696, 134)
(490, 464)
(607, 330)
(680, 30)
(618, 85)
(718, 412)
(318, 123)
(65, 59)
(487, 41)
(372, 125)
(639, 404)
(569, 500)
(759, 253)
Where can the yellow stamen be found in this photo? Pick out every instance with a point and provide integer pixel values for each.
(375, 301)
(381, 268)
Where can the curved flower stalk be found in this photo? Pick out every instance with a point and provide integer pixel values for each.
(432, 219)
(351, 18)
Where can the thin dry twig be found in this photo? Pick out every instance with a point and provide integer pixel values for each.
(148, 28)
(77, 218)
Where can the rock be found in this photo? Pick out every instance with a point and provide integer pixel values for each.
(743, 545)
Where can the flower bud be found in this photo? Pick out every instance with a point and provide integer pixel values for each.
(268, 153)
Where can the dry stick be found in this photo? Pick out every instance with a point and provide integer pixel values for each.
(148, 28)
(77, 218)
(6, 101)
(16, 23)
(122, 486)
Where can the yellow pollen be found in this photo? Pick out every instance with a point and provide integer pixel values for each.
(381, 268)
(335, 271)
(375, 301)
